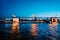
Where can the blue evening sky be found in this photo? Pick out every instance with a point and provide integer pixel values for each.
(41, 8)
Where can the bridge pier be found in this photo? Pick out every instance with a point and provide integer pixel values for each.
(54, 22)
(15, 25)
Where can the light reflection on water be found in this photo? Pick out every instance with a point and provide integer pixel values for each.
(44, 32)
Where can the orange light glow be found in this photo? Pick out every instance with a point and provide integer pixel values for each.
(15, 24)
(34, 29)
(54, 22)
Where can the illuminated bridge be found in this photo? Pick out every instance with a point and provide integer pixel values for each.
(25, 20)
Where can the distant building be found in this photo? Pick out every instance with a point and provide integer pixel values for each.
(34, 17)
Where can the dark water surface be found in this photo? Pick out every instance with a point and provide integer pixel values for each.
(24, 33)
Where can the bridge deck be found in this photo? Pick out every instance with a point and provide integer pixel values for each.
(28, 19)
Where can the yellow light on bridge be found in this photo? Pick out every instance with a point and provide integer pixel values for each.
(39, 21)
(54, 22)
(15, 25)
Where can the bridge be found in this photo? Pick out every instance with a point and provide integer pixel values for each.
(16, 21)
(25, 20)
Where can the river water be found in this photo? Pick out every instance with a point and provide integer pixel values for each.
(44, 32)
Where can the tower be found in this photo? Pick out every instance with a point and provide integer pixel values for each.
(34, 17)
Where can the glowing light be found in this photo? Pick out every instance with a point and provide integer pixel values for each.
(15, 25)
(54, 22)
(34, 29)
